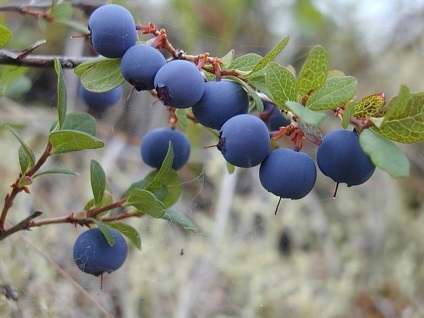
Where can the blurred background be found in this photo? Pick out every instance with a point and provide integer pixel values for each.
(359, 255)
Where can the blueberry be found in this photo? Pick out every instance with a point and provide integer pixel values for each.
(244, 140)
(220, 101)
(154, 147)
(179, 84)
(140, 64)
(112, 30)
(341, 158)
(288, 174)
(100, 100)
(93, 254)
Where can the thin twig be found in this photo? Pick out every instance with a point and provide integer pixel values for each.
(22, 225)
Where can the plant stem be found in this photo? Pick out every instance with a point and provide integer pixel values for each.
(10, 198)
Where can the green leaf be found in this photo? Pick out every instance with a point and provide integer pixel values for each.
(384, 153)
(404, 119)
(29, 153)
(314, 71)
(181, 114)
(146, 202)
(63, 141)
(398, 105)
(106, 231)
(281, 84)
(56, 171)
(179, 220)
(24, 161)
(162, 175)
(128, 231)
(98, 181)
(227, 59)
(307, 116)
(271, 55)
(103, 76)
(335, 92)
(61, 93)
(62, 11)
(349, 111)
(245, 63)
(10, 74)
(256, 99)
(80, 69)
(5, 35)
(82, 122)
(170, 191)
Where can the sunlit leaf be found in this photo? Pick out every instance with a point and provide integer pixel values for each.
(271, 55)
(335, 92)
(281, 84)
(5, 35)
(314, 71)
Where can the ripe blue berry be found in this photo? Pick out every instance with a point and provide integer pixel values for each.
(288, 174)
(112, 30)
(93, 254)
(100, 100)
(155, 143)
(179, 84)
(244, 140)
(221, 100)
(140, 64)
(341, 158)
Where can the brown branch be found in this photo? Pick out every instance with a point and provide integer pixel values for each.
(11, 57)
(16, 187)
(23, 225)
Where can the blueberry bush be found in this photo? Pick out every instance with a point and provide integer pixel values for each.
(260, 113)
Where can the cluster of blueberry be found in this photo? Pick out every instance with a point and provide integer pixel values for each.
(244, 139)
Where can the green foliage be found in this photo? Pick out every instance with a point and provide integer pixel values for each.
(61, 94)
(335, 92)
(314, 71)
(146, 202)
(102, 76)
(404, 118)
(245, 63)
(128, 231)
(281, 84)
(105, 231)
(5, 35)
(64, 141)
(271, 55)
(306, 115)
(180, 220)
(98, 182)
(384, 153)
(26, 154)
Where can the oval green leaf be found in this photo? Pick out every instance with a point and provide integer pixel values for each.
(128, 231)
(281, 83)
(335, 92)
(314, 71)
(180, 220)
(103, 76)
(5, 35)
(384, 153)
(107, 233)
(146, 202)
(307, 116)
(63, 141)
(98, 181)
